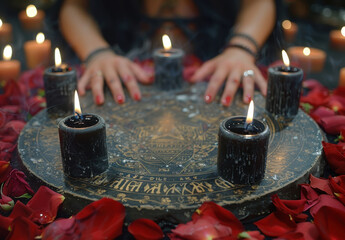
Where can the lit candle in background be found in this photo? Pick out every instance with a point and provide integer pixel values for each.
(9, 69)
(290, 30)
(242, 148)
(168, 66)
(83, 143)
(5, 32)
(309, 59)
(284, 89)
(60, 82)
(337, 39)
(31, 18)
(37, 51)
(342, 77)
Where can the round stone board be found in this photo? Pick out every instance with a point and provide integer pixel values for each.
(163, 153)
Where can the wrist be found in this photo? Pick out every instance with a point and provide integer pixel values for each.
(96, 52)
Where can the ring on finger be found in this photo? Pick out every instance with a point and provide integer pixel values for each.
(98, 74)
(248, 73)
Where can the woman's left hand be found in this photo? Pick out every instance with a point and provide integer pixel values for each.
(232, 66)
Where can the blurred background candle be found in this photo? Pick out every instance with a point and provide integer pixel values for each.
(9, 69)
(337, 39)
(5, 32)
(342, 77)
(37, 51)
(168, 66)
(309, 59)
(83, 143)
(31, 18)
(60, 82)
(242, 148)
(290, 30)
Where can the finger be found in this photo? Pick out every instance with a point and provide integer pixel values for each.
(97, 87)
(114, 84)
(83, 82)
(204, 71)
(130, 82)
(248, 88)
(139, 73)
(231, 86)
(261, 82)
(215, 83)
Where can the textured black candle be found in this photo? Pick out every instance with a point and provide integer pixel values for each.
(283, 91)
(168, 69)
(242, 150)
(83, 145)
(60, 83)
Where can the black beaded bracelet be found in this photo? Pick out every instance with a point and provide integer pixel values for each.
(233, 45)
(249, 38)
(97, 51)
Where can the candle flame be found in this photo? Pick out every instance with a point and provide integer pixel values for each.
(286, 24)
(77, 109)
(166, 42)
(306, 51)
(57, 57)
(285, 58)
(40, 38)
(343, 31)
(250, 114)
(7, 55)
(0, 23)
(31, 11)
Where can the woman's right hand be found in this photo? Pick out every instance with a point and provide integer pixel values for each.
(112, 69)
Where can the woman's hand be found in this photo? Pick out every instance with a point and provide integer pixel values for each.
(229, 67)
(112, 69)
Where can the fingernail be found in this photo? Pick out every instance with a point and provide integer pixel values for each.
(226, 101)
(208, 98)
(137, 97)
(98, 100)
(120, 99)
(248, 99)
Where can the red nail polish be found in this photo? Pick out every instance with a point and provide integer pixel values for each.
(98, 100)
(227, 100)
(208, 98)
(120, 99)
(248, 98)
(137, 97)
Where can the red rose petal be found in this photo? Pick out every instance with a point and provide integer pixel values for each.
(276, 224)
(102, 219)
(5, 223)
(62, 229)
(312, 84)
(16, 185)
(320, 184)
(316, 97)
(20, 209)
(23, 228)
(308, 229)
(330, 223)
(145, 229)
(225, 217)
(335, 155)
(338, 187)
(327, 200)
(45, 204)
(310, 195)
(294, 208)
(333, 124)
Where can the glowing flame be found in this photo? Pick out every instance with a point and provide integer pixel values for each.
(40, 38)
(286, 24)
(31, 11)
(306, 51)
(166, 42)
(77, 109)
(57, 57)
(0, 23)
(250, 114)
(285, 58)
(343, 31)
(7, 55)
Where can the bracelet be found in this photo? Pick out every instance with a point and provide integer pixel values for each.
(249, 38)
(97, 51)
(230, 45)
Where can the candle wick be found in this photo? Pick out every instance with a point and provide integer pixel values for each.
(78, 116)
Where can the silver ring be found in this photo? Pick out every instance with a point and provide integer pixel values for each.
(98, 74)
(248, 73)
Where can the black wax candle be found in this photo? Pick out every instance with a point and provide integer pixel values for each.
(283, 91)
(168, 69)
(60, 83)
(83, 145)
(242, 150)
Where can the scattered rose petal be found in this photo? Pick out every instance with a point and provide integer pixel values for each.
(330, 222)
(145, 229)
(333, 124)
(338, 187)
(327, 200)
(16, 185)
(23, 228)
(335, 155)
(292, 208)
(62, 229)
(320, 184)
(276, 224)
(310, 195)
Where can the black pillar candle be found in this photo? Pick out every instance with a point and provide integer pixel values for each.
(83, 145)
(60, 82)
(242, 150)
(168, 67)
(283, 91)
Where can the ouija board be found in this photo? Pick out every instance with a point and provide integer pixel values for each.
(163, 153)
